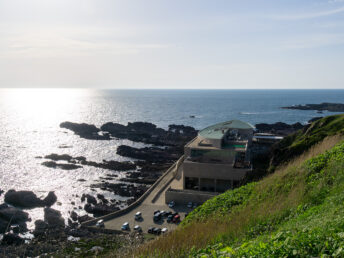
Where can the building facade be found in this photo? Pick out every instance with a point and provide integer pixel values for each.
(218, 158)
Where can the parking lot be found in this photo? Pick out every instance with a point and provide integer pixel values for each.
(154, 201)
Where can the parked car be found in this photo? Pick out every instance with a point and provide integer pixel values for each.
(176, 219)
(162, 213)
(168, 213)
(175, 213)
(157, 231)
(169, 218)
(164, 230)
(150, 230)
(189, 205)
(138, 228)
(156, 211)
(138, 215)
(157, 216)
(195, 205)
(171, 204)
(100, 223)
(125, 226)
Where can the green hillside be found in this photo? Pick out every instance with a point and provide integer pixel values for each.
(295, 144)
(298, 211)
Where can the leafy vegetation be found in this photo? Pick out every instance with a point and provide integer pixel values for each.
(297, 211)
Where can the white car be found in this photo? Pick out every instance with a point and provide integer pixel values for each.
(125, 226)
(171, 204)
(164, 230)
(138, 228)
(100, 223)
(138, 215)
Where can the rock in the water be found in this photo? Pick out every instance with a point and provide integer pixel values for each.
(86, 131)
(53, 164)
(27, 199)
(74, 216)
(40, 228)
(12, 239)
(14, 215)
(50, 199)
(53, 218)
(90, 199)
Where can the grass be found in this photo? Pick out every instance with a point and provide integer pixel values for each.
(297, 211)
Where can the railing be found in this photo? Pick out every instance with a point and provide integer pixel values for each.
(137, 202)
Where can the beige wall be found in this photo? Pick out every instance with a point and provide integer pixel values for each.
(213, 170)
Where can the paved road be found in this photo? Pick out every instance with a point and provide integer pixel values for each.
(154, 201)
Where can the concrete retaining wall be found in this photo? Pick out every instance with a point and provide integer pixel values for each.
(185, 196)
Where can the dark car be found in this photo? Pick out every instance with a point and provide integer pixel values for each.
(157, 216)
(169, 218)
(157, 231)
(168, 213)
(175, 213)
(150, 230)
(156, 211)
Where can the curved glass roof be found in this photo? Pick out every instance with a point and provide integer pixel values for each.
(216, 131)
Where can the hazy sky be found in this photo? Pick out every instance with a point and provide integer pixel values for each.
(172, 43)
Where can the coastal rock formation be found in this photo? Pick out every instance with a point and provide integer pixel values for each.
(332, 107)
(86, 131)
(126, 190)
(27, 199)
(137, 131)
(73, 161)
(151, 154)
(278, 128)
(100, 209)
(10, 216)
(53, 164)
(12, 239)
(53, 218)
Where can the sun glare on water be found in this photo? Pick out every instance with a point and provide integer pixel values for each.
(42, 105)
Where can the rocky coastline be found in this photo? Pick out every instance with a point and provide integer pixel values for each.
(146, 166)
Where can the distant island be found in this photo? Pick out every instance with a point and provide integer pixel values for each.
(332, 107)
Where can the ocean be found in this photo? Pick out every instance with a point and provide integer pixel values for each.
(30, 118)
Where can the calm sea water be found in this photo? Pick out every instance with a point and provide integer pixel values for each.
(29, 127)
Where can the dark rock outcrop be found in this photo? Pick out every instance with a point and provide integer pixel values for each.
(73, 163)
(12, 239)
(53, 218)
(332, 107)
(86, 131)
(53, 164)
(100, 209)
(278, 128)
(126, 190)
(27, 199)
(151, 154)
(10, 216)
(137, 131)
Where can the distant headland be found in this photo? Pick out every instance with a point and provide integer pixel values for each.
(332, 107)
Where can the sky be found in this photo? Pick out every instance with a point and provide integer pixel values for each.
(183, 44)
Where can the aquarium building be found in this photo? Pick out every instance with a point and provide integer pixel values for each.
(216, 160)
